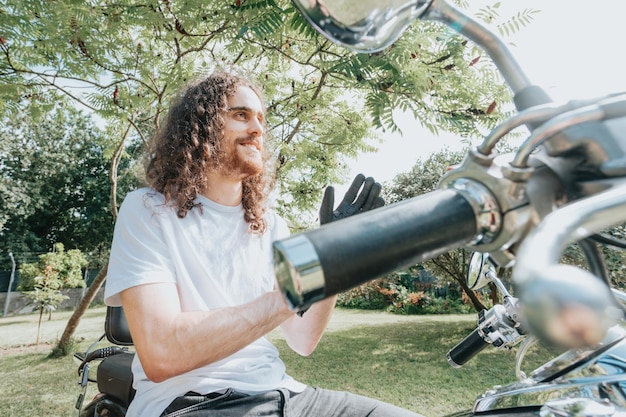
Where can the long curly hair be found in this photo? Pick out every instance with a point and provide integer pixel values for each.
(188, 145)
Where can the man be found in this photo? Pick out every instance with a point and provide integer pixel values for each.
(191, 262)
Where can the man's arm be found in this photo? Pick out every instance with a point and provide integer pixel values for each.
(170, 342)
(304, 333)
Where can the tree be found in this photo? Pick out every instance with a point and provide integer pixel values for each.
(124, 62)
(422, 179)
(59, 183)
(54, 184)
(43, 281)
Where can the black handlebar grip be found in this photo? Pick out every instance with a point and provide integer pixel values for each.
(466, 349)
(105, 352)
(101, 353)
(338, 256)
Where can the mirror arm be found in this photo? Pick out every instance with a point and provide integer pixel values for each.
(443, 12)
(493, 277)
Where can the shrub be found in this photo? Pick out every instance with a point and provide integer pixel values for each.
(42, 281)
(367, 296)
(404, 293)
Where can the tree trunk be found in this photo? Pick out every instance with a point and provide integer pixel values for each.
(478, 305)
(65, 341)
(494, 293)
(39, 326)
(449, 265)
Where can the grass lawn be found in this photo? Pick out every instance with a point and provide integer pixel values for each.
(399, 359)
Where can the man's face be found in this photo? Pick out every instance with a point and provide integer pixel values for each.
(242, 143)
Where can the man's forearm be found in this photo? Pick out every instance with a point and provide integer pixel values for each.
(161, 335)
(304, 333)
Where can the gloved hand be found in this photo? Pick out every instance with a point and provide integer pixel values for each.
(353, 202)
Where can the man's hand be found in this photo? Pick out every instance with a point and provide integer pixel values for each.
(353, 202)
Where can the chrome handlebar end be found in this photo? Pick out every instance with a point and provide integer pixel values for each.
(298, 271)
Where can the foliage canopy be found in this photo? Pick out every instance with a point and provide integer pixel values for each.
(125, 60)
(54, 184)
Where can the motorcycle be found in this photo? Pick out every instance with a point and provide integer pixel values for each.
(518, 211)
(583, 382)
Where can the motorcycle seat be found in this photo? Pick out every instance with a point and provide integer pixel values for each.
(114, 376)
(116, 327)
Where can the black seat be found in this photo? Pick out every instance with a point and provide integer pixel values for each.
(116, 327)
(114, 376)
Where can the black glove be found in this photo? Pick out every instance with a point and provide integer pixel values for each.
(353, 202)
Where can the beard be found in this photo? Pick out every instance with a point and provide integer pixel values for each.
(240, 162)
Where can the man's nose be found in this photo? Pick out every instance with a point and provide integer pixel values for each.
(255, 127)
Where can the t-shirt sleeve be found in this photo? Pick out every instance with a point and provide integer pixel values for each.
(139, 254)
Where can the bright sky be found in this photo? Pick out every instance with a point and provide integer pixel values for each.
(573, 49)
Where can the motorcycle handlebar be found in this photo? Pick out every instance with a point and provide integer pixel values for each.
(466, 349)
(319, 263)
(101, 353)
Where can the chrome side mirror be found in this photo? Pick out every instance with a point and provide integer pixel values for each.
(479, 267)
(364, 25)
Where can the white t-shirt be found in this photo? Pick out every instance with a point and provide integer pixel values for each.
(215, 262)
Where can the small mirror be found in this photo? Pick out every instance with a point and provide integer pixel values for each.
(479, 265)
(363, 25)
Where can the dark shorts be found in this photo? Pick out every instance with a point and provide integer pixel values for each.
(312, 402)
